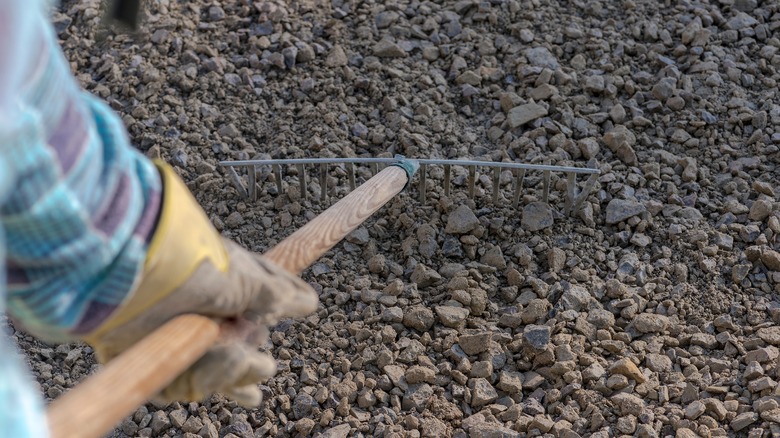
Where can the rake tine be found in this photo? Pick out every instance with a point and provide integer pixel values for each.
(252, 189)
(374, 168)
(302, 181)
(496, 176)
(472, 180)
(447, 180)
(520, 176)
(323, 182)
(236, 180)
(278, 173)
(580, 199)
(351, 174)
(571, 191)
(546, 189)
(423, 168)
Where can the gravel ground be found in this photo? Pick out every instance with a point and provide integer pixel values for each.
(654, 312)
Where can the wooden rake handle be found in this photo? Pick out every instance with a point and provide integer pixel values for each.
(95, 406)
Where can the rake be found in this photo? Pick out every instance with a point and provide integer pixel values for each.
(92, 408)
(573, 198)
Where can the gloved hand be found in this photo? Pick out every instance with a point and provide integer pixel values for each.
(191, 269)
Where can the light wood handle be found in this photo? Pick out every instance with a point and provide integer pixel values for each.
(101, 401)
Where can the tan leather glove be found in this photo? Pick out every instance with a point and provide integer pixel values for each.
(191, 269)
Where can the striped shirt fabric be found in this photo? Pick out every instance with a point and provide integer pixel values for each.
(78, 204)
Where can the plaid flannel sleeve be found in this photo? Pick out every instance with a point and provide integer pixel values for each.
(77, 209)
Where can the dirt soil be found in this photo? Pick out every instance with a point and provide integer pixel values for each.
(654, 311)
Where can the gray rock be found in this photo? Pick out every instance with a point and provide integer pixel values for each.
(705, 340)
(494, 257)
(620, 140)
(602, 319)
(474, 344)
(660, 363)
(336, 57)
(419, 374)
(216, 13)
(419, 318)
(770, 335)
(745, 5)
(575, 298)
(482, 392)
(302, 405)
(510, 382)
(771, 259)
(385, 19)
(619, 210)
(541, 57)
(160, 422)
(340, 431)
(593, 372)
(650, 323)
(743, 420)
(388, 49)
(451, 316)
(461, 220)
(417, 397)
(492, 430)
(629, 404)
(536, 336)
(537, 216)
(520, 115)
(424, 276)
(740, 21)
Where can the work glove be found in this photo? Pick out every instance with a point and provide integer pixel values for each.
(191, 269)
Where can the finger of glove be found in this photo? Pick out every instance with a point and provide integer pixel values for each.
(220, 367)
(230, 367)
(260, 368)
(248, 396)
(280, 294)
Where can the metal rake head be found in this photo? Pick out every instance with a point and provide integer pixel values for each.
(573, 200)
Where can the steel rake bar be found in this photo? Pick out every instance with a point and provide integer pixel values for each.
(572, 203)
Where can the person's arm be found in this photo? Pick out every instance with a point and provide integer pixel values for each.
(105, 246)
(21, 409)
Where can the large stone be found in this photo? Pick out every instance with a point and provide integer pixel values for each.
(629, 369)
(510, 382)
(650, 323)
(771, 259)
(494, 257)
(419, 318)
(461, 220)
(482, 392)
(576, 298)
(417, 397)
(619, 210)
(541, 57)
(474, 344)
(770, 335)
(537, 216)
(424, 276)
(419, 374)
(537, 336)
(620, 140)
(520, 115)
(743, 420)
(451, 316)
(340, 431)
(629, 404)
(336, 57)
(388, 49)
(660, 363)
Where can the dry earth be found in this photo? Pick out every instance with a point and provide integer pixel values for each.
(654, 312)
